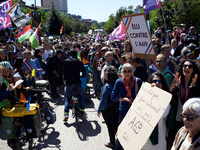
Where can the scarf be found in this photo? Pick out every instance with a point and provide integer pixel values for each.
(184, 93)
(128, 87)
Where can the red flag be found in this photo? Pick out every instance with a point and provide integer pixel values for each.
(61, 30)
(118, 33)
(22, 98)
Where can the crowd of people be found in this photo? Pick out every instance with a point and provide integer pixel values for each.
(116, 75)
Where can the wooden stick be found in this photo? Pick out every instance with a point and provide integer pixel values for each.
(11, 8)
(145, 57)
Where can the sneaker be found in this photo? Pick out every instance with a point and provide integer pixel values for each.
(83, 115)
(65, 119)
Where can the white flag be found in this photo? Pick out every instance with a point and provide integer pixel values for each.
(18, 17)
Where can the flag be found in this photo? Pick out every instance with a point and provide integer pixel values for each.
(22, 98)
(33, 73)
(21, 27)
(18, 17)
(61, 30)
(35, 38)
(28, 105)
(98, 37)
(5, 22)
(118, 33)
(150, 5)
(4, 7)
(26, 33)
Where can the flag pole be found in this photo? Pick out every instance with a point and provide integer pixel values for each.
(11, 8)
(164, 22)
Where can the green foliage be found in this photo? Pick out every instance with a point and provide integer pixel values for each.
(53, 22)
(114, 20)
(175, 13)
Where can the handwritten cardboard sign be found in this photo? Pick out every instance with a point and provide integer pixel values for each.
(142, 117)
(139, 36)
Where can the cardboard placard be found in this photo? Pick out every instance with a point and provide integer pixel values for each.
(139, 36)
(142, 117)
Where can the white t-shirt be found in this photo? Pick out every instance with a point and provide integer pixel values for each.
(186, 144)
(46, 54)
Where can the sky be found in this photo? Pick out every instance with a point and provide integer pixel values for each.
(92, 9)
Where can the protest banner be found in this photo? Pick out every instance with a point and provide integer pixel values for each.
(142, 117)
(139, 36)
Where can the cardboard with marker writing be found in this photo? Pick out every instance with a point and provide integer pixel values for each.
(139, 36)
(142, 117)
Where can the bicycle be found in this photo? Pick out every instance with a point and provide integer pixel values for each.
(45, 108)
(75, 105)
(22, 126)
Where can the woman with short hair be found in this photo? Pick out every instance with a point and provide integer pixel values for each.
(188, 136)
(124, 92)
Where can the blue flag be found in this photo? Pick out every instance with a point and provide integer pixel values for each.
(28, 105)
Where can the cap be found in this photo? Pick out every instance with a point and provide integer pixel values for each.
(17, 75)
(187, 52)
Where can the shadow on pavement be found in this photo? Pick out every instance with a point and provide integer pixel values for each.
(2, 134)
(48, 140)
(86, 129)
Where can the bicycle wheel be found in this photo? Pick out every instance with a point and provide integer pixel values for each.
(30, 147)
(76, 117)
(44, 108)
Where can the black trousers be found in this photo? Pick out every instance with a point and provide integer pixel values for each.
(53, 80)
(111, 118)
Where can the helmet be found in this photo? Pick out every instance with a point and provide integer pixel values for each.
(6, 65)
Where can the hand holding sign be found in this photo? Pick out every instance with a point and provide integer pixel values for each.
(144, 114)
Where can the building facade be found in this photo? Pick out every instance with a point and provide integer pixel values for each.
(61, 5)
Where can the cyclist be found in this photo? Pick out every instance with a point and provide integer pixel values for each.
(72, 68)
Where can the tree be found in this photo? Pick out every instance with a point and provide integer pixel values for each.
(175, 13)
(54, 21)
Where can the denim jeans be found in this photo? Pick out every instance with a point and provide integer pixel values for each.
(97, 81)
(68, 98)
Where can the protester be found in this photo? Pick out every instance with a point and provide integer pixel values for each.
(189, 135)
(124, 92)
(161, 64)
(107, 107)
(186, 86)
(51, 69)
(157, 139)
(40, 63)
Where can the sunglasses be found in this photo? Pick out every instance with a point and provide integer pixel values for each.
(189, 66)
(188, 118)
(159, 81)
(125, 71)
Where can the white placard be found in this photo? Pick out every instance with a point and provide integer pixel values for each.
(142, 117)
(139, 36)
(18, 83)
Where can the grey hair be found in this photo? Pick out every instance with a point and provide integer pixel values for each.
(127, 65)
(193, 104)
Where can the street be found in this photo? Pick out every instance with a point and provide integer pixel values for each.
(92, 134)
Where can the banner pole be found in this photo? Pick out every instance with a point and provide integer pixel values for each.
(147, 64)
(164, 22)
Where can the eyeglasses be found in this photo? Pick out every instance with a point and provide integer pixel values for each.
(159, 61)
(192, 29)
(189, 66)
(159, 81)
(125, 71)
(107, 56)
(188, 118)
